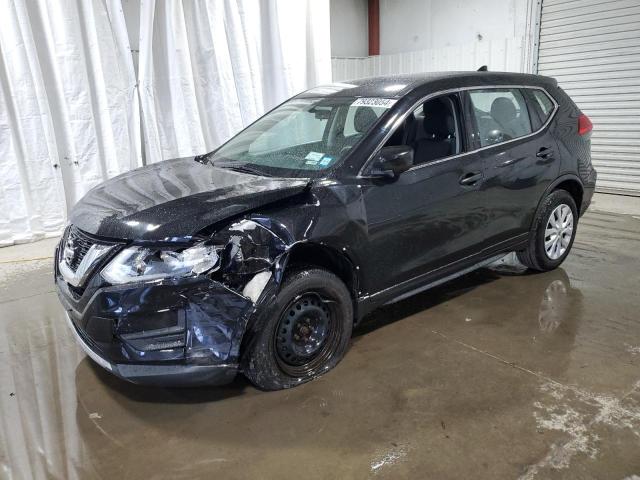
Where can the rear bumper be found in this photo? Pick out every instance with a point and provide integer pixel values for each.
(588, 190)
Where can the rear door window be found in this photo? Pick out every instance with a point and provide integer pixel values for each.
(500, 115)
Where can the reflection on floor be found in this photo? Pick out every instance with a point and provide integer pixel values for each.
(499, 374)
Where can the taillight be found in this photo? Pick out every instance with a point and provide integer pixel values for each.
(584, 124)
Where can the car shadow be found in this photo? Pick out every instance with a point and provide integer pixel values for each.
(154, 394)
(430, 298)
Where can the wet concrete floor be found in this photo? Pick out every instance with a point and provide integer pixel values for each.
(496, 375)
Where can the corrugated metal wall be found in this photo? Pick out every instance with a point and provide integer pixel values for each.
(506, 55)
(592, 47)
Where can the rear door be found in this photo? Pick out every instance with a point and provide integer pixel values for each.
(519, 155)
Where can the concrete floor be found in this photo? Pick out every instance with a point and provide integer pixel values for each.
(496, 375)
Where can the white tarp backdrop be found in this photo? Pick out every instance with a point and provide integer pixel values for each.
(209, 68)
(68, 109)
(69, 113)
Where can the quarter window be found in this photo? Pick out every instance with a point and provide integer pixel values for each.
(500, 115)
(545, 103)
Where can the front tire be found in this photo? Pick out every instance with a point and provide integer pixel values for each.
(303, 334)
(552, 234)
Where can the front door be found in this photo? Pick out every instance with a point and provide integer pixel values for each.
(431, 215)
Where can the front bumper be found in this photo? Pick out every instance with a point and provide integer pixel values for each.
(164, 375)
(176, 332)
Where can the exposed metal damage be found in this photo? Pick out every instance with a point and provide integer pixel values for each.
(252, 247)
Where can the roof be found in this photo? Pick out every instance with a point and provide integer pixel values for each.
(400, 85)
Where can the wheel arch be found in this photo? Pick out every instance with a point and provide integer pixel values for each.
(306, 255)
(570, 183)
(321, 255)
(575, 189)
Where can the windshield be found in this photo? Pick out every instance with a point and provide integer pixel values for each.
(302, 136)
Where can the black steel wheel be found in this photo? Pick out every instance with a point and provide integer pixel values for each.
(302, 334)
(307, 334)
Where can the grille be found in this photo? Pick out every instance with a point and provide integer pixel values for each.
(78, 245)
(80, 255)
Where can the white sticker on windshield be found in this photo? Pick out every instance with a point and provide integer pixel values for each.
(313, 157)
(374, 102)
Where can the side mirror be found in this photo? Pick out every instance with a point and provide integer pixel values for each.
(392, 161)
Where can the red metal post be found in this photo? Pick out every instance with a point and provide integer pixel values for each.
(374, 27)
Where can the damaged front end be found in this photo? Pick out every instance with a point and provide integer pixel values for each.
(173, 316)
(253, 252)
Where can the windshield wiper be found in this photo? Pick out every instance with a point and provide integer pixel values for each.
(240, 167)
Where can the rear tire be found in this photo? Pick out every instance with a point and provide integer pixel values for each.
(552, 234)
(303, 334)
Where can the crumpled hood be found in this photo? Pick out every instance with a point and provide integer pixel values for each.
(173, 199)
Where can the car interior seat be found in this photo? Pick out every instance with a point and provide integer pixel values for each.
(438, 136)
(404, 134)
(504, 113)
(363, 118)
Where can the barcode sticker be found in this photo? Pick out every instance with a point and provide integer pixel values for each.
(374, 102)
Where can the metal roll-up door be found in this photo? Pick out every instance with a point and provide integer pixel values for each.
(592, 47)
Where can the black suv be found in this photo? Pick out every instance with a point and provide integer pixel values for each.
(262, 255)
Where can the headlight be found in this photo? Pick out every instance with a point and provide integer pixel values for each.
(138, 264)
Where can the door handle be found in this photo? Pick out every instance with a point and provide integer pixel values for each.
(511, 161)
(470, 178)
(545, 153)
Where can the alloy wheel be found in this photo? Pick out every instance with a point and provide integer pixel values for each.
(559, 231)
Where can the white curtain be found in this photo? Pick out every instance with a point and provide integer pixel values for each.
(68, 109)
(208, 68)
(69, 102)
